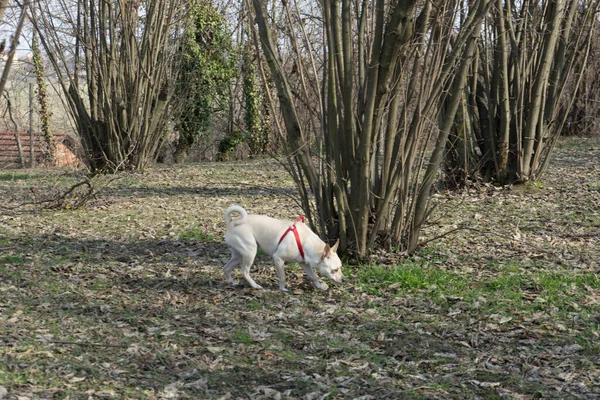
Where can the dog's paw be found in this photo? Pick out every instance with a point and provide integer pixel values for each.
(257, 287)
(322, 286)
(283, 289)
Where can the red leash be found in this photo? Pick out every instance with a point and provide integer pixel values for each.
(296, 235)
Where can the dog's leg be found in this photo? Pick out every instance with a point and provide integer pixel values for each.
(279, 267)
(313, 277)
(245, 268)
(235, 260)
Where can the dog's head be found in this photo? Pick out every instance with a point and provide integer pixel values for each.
(330, 265)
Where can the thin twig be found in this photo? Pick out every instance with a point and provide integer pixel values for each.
(168, 368)
(468, 228)
(59, 199)
(580, 236)
(442, 235)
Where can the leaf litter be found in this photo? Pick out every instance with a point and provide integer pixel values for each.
(125, 298)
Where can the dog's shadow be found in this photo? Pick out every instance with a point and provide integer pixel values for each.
(264, 274)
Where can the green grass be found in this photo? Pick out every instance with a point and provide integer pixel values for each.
(11, 259)
(408, 276)
(17, 176)
(197, 234)
(506, 288)
(254, 305)
(534, 185)
(574, 143)
(242, 336)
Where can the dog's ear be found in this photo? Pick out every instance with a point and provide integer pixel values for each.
(335, 246)
(326, 252)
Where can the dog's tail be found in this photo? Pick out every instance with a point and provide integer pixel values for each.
(238, 221)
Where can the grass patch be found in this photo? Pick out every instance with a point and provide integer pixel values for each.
(507, 287)
(574, 143)
(16, 176)
(242, 336)
(534, 185)
(197, 234)
(376, 279)
(11, 259)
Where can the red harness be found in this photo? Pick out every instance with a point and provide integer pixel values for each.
(296, 235)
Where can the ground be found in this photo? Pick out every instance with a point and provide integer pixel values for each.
(125, 297)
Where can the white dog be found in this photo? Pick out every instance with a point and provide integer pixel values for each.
(284, 241)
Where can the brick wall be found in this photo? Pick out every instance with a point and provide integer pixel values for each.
(63, 155)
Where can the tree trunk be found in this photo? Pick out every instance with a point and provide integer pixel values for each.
(31, 132)
(15, 131)
(380, 91)
(14, 41)
(40, 74)
(445, 121)
(530, 63)
(129, 63)
(535, 108)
